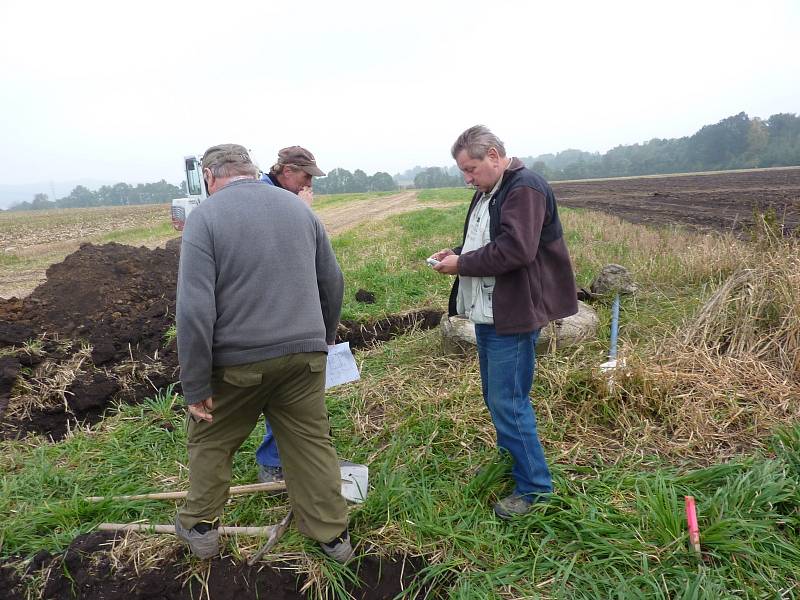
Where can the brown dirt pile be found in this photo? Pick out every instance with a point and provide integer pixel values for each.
(119, 300)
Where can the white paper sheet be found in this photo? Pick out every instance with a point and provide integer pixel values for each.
(342, 366)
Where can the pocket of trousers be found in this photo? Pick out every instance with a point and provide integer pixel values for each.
(318, 363)
(240, 377)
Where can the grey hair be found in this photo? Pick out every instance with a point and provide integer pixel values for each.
(476, 141)
(234, 169)
(229, 160)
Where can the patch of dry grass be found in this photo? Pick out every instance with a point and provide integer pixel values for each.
(47, 385)
(716, 386)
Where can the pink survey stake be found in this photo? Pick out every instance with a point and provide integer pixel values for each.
(691, 520)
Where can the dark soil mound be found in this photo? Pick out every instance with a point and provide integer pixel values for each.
(113, 296)
(84, 571)
(121, 300)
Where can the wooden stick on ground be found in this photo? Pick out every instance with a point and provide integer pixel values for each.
(233, 491)
(147, 528)
(274, 536)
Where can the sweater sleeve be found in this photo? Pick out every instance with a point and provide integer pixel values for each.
(195, 311)
(330, 283)
(516, 245)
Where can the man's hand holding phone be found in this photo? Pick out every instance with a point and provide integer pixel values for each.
(445, 261)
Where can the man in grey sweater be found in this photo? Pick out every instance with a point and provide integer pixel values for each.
(259, 298)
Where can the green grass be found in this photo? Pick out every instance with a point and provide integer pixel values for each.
(140, 235)
(388, 259)
(612, 530)
(615, 527)
(8, 259)
(446, 194)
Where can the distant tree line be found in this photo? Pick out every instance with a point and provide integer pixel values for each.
(437, 177)
(340, 181)
(737, 142)
(119, 194)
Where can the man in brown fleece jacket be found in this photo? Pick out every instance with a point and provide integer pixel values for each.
(514, 276)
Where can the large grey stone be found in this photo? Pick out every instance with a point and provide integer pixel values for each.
(571, 331)
(458, 333)
(458, 336)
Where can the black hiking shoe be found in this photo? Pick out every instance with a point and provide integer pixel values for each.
(512, 506)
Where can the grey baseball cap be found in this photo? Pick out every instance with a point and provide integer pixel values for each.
(300, 157)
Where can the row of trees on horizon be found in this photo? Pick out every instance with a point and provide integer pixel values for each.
(736, 142)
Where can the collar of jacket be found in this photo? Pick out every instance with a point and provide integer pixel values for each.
(275, 182)
(514, 166)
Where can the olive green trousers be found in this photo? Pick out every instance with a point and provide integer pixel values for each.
(290, 391)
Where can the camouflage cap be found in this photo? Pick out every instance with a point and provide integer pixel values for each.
(300, 157)
(226, 154)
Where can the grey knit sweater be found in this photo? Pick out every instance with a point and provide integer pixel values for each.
(257, 279)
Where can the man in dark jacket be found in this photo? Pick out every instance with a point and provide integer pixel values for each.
(514, 276)
(293, 172)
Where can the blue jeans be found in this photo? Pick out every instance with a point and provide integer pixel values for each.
(267, 453)
(507, 366)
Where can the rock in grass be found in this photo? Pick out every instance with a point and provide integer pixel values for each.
(458, 333)
(458, 336)
(580, 327)
(613, 279)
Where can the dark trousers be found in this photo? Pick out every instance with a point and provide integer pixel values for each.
(290, 392)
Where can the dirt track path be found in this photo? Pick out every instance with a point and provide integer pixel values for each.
(22, 280)
(338, 219)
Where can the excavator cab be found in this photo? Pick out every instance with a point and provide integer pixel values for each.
(195, 189)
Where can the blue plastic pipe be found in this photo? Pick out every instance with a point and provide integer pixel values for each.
(612, 355)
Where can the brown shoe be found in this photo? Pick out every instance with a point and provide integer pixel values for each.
(512, 506)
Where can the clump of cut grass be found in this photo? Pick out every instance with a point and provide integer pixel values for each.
(170, 335)
(728, 377)
(47, 385)
(755, 314)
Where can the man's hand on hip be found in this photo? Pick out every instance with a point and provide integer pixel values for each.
(201, 411)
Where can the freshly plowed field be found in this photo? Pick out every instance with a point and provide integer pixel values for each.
(722, 201)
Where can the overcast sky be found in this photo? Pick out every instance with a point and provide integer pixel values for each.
(122, 91)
